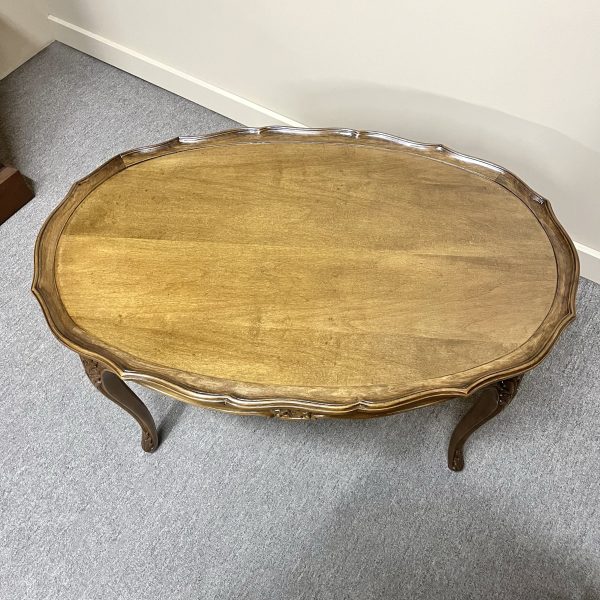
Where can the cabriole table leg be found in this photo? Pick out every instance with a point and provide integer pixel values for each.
(490, 402)
(116, 390)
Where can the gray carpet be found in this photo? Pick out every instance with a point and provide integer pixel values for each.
(244, 507)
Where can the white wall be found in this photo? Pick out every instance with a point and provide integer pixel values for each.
(24, 31)
(514, 82)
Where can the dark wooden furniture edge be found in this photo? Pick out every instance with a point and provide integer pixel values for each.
(298, 402)
(14, 192)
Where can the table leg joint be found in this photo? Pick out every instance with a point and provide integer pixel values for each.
(114, 388)
(491, 401)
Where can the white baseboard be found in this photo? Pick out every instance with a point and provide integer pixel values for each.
(235, 107)
(589, 260)
(212, 97)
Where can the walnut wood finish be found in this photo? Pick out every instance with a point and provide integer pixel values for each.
(492, 400)
(304, 273)
(116, 390)
(14, 192)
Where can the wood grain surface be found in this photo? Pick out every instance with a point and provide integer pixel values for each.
(312, 269)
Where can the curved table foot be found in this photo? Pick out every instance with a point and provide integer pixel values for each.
(491, 401)
(116, 390)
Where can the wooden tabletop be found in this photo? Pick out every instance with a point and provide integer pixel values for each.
(319, 268)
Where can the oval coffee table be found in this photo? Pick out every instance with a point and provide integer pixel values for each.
(303, 273)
